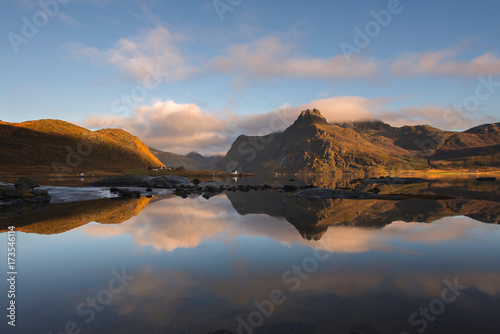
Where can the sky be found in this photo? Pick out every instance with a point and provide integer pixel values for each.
(193, 75)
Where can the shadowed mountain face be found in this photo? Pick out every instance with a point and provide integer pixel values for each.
(475, 148)
(70, 148)
(311, 144)
(191, 161)
(312, 218)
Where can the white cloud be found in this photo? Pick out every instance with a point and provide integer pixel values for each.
(270, 57)
(66, 19)
(446, 118)
(33, 4)
(185, 127)
(154, 50)
(182, 128)
(443, 62)
(265, 58)
(170, 126)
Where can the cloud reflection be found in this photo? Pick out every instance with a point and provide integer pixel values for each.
(187, 223)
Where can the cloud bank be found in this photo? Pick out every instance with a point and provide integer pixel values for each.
(182, 128)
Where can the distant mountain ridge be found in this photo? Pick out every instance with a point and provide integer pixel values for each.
(311, 144)
(71, 148)
(191, 161)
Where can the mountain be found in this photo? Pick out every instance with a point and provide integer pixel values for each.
(313, 218)
(191, 161)
(474, 148)
(65, 147)
(311, 144)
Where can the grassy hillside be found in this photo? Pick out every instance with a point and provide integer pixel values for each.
(66, 148)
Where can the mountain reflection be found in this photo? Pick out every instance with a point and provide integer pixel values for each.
(200, 264)
(341, 225)
(62, 217)
(172, 222)
(312, 218)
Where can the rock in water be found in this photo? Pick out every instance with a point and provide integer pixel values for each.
(289, 188)
(210, 188)
(167, 181)
(10, 192)
(26, 184)
(486, 178)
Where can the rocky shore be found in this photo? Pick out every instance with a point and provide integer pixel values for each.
(26, 192)
(22, 193)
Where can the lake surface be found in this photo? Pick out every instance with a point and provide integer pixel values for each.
(261, 262)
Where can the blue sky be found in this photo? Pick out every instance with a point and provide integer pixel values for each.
(192, 75)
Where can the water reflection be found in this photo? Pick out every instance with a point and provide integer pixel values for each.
(337, 225)
(196, 273)
(310, 218)
(62, 217)
(200, 265)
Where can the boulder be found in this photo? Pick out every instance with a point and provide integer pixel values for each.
(210, 188)
(10, 192)
(375, 190)
(40, 192)
(167, 181)
(125, 192)
(26, 184)
(17, 204)
(289, 188)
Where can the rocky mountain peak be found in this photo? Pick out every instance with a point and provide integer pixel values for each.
(309, 116)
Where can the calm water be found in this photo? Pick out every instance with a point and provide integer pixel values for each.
(261, 262)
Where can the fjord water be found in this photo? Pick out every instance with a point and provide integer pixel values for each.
(262, 262)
